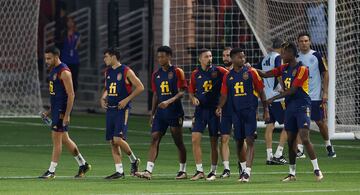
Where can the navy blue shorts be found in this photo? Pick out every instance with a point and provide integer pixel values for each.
(277, 112)
(317, 111)
(116, 123)
(57, 122)
(225, 125)
(161, 123)
(206, 117)
(245, 123)
(296, 119)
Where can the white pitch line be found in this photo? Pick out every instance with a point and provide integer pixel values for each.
(148, 132)
(245, 192)
(159, 175)
(82, 145)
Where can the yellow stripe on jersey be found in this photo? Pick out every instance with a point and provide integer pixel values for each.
(325, 63)
(301, 73)
(305, 86)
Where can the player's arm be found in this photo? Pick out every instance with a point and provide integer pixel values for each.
(223, 97)
(301, 77)
(323, 68)
(259, 88)
(103, 99)
(139, 87)
(192, 89)
(65, 76)
(181, 85)
(271, 73)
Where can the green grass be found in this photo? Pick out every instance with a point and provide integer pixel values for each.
(25, 151)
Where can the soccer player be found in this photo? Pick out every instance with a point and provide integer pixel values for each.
(204, 93)
(226, 127)
(318, 88)
(116, 98)
(277, 108)
(168, 84)
(295, 78)
(61, 102)
(242, 86)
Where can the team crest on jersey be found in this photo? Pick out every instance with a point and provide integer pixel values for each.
(246, 76)
(119, 77)
(170, 75)
(214, 74)
(294, 72)
(54, 77)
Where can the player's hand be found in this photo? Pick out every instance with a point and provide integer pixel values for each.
(151, 120)
(103, 103)
(195, 101)
(266, 115)
(325, 98)
(164, 104)
(269, 101)
(45, 114)
(122, 104)
(218, 111)
(247, 64)
(66, 120)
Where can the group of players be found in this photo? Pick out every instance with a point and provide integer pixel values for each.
(225, 99)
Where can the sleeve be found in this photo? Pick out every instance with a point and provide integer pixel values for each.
(257, 82)
(322, 62)
(277, 61)
(222, 70)
(153, 85)
(181, 81)
(301, 76)
(224, 88)
(278, 70)
(192, 85)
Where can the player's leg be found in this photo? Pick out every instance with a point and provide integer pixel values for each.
(158, 129)
(249, 127)
(241, 154)
(291, 128)
(300, 148)
(73, 149)
(197, 153)
(198, 128)
(318, 115)
(225, 130)
(56, 136)
(268, 141)
(291, 140)
(214, 128)
(116, 154)
(225, 154)
(278, 112)
(278, 156)
(177, 135)
(303, 123)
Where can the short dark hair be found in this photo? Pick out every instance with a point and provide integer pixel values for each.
(303, 34)
(235, 51)
(227, 48)
(113, 52)
(203, 50)
(165, 49)
(53, 50)
(290, 46)
(276, 43)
